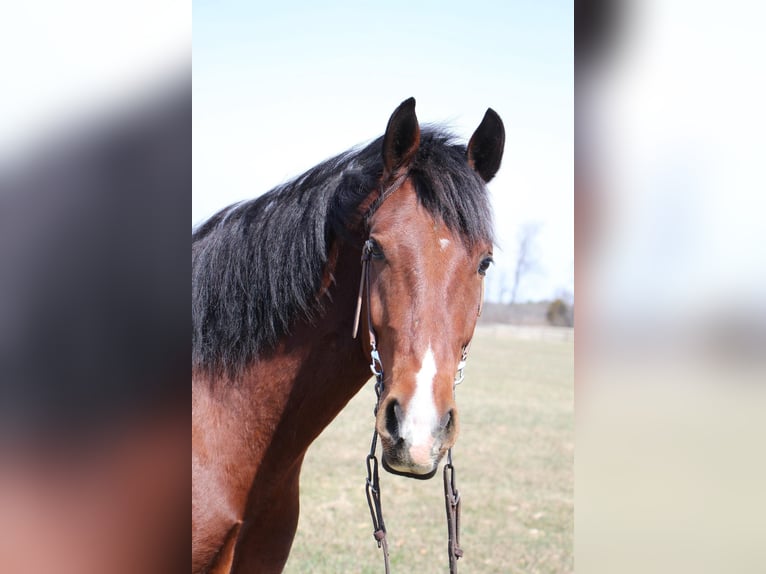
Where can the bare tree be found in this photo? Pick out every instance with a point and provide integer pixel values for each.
(504, 285)
(526, 254)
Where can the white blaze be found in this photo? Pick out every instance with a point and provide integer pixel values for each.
(421, 417)
(444, 242)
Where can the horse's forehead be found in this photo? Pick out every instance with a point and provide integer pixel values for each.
(402, 204)
(403, 216)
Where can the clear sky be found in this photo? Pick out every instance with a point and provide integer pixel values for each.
(278, 87)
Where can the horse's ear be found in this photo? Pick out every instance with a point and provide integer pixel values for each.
(401, 140)
(485, 148)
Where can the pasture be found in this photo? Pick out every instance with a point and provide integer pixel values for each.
(514, 467)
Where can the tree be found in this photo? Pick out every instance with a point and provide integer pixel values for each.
(526, 254)
(559, 314)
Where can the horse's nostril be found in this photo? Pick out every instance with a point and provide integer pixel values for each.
(448, 421)
(393, 416)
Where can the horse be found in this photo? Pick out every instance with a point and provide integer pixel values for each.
(275, 295)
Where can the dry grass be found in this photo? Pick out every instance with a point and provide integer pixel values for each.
(514, 462)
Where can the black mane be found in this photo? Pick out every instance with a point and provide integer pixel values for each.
(257, 266)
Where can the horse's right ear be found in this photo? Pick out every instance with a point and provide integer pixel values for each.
(400, 144)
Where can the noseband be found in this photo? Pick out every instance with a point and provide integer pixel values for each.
(451, 494)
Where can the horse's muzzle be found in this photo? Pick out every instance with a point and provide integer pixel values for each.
(411, 472)
(414, 448)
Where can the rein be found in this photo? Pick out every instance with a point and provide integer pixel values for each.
(452, 498)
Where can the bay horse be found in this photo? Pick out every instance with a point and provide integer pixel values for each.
(274, 293)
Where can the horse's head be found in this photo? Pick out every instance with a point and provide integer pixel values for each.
(427, 260)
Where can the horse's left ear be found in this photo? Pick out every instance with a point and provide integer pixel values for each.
(485, 148)
(402, 139)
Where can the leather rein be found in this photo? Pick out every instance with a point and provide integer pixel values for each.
(451, 494)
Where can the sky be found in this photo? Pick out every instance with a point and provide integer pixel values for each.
(279, 87)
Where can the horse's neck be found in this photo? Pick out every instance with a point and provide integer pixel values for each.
(313, 373)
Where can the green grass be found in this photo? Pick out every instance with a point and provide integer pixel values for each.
(514, 465)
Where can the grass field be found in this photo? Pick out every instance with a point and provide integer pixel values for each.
(514, 465)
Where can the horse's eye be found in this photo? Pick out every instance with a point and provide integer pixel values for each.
(484, 265)
(374, 249)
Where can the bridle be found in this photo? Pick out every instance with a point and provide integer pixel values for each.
(451, 494)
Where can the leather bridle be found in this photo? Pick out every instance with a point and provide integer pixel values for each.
(451, 494)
